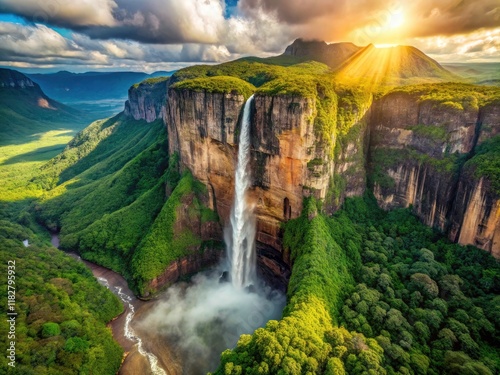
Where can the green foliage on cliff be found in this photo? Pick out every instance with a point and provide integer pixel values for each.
(171, 237)
(62, 310)
(151, 81)
(217, 84)
(486, 162)
(436, 133)
(384, 159)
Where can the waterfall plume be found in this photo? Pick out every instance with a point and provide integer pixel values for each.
(240, 240)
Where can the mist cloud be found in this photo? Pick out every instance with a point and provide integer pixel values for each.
(207, 317)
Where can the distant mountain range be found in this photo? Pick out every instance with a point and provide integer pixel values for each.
(25, 109)
(70, 87)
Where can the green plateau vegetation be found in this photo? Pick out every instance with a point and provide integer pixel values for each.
(219, 84)
(297, 79)
(450, 95)
(151, 81)
(373, 292)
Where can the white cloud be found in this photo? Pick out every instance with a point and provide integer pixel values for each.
(479, 46)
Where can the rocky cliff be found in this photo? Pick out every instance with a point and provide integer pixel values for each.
(147, 100)
(290, 158)
(418, 148)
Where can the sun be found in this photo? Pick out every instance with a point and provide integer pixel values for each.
(396, 19)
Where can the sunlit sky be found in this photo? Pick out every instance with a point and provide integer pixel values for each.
(151, 35)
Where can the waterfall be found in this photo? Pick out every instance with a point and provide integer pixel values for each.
(241, 239)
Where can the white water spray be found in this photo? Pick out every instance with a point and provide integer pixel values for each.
(241, 241)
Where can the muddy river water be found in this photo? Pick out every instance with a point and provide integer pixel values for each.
(146, 353)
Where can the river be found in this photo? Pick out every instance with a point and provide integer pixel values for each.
(184, 330)
(141, 347)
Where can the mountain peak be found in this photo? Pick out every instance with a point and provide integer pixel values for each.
(393, 63)
(333, 54)
(14, 79)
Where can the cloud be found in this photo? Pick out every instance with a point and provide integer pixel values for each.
(41, 46)
(450, 17)
(149, 33)
(479, 46)
(160, 21)
(365, 21)
(72, 14)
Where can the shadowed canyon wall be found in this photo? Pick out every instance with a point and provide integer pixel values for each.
(418, 154)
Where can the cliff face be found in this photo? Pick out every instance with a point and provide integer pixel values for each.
(283, 143)
(202, 130)
(475, 216)
(289, 161)
(417, 152)
(147, 100)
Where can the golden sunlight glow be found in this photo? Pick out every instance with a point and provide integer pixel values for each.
(396, 19)
(372, 66)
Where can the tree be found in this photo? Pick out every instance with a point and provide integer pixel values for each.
(50, 329)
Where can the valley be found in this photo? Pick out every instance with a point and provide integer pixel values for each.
(369, 195)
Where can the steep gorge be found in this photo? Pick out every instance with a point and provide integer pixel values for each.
(409, 147)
